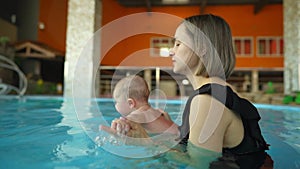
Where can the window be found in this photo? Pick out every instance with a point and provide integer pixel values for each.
(269, 46)
(243, 46)
(160, 46)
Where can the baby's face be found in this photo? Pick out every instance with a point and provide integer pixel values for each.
(122, 107)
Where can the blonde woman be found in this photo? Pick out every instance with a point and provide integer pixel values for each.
(215, 118)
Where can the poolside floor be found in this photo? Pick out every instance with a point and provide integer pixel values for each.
(263, 98)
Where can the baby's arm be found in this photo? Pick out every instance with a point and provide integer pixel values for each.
(161, 123)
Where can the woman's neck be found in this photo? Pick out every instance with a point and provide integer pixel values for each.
(198, 81)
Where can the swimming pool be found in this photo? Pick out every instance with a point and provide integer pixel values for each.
(44, 132)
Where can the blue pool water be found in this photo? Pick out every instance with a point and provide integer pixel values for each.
(50, 132)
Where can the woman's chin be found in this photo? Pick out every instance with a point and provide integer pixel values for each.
(177, 71)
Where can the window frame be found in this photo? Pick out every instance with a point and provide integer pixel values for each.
(243, 52)
(153, 46)
(268, 49)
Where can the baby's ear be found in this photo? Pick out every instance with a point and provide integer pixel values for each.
(131, 103)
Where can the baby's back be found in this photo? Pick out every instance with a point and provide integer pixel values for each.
(154, 121)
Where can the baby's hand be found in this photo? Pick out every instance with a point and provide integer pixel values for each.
(120, 125)
(123, 127)
(129, 128)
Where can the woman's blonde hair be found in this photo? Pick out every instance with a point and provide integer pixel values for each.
(212, 42)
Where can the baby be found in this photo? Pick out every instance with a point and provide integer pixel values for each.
(131, 96)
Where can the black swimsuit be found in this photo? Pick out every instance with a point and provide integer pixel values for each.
(253, 141)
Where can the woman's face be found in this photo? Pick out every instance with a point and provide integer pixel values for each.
(183, 58)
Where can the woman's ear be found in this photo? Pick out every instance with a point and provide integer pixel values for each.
(131, 103)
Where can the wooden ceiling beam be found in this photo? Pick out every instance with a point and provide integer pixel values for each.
(203, 6)
(151, 3)
(148, 5)
(259, 5)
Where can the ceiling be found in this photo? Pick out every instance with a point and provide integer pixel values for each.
(258, 4)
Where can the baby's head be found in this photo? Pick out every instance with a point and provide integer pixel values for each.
(129, 89)
(132, 86)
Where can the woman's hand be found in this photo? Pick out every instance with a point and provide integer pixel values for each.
(135, 132)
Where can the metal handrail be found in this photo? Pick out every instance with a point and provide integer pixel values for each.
(6, 88)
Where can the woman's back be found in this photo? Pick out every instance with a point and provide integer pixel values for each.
(222, 128)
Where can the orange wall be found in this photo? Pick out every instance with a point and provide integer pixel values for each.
(53, 13)
(241, 18)
(243, 22)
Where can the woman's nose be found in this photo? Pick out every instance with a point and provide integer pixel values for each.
(171, 52)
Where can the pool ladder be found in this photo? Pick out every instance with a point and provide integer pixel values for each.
(7, 88)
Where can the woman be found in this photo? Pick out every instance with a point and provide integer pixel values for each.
(215, 118)
(203, 52)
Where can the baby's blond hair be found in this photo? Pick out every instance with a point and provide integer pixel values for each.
(132, 86)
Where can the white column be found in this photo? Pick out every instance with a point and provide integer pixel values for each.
(148, 77)
(291, 11)
(254, 81)
(82, 49)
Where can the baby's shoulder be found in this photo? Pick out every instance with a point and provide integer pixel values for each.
(146, 116)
